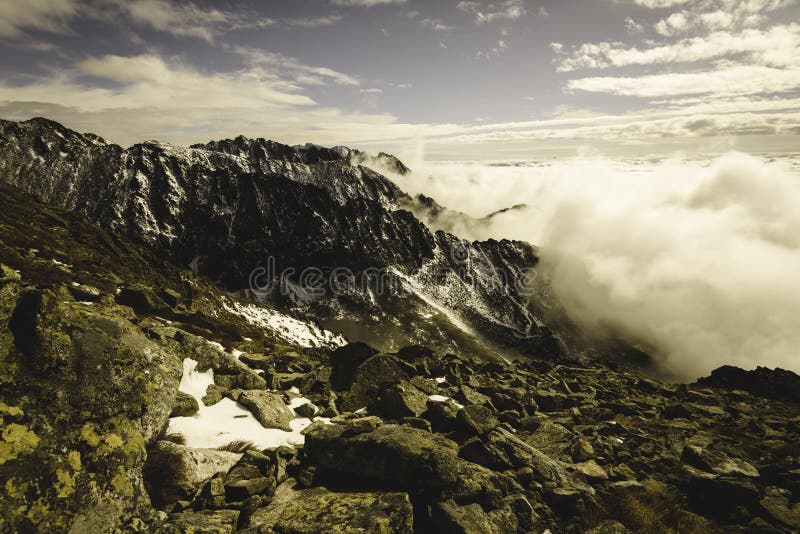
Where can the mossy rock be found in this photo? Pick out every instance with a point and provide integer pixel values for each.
(84, 392)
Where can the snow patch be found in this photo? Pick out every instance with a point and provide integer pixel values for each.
(293, 330)
(442, 398)
(227, 420)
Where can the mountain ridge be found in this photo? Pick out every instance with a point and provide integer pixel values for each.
(229, 207)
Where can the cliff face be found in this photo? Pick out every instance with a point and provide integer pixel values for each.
(229, 207)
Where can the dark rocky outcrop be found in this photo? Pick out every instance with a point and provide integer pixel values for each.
(778, 384)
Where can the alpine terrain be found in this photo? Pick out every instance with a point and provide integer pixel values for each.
(245, 336)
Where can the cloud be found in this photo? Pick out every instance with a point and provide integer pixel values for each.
(660, 4)
(695, 262)
(722, 82)
(776, 46)
(435, 24)
(289, 68)
(365, 3)
(484, 13)
(44, 15)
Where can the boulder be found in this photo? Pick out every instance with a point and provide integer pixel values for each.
(345, 360)
(402, 400)
(202, 522)
(397, 456)
(476, 420)
(447, 516)
(374, 376)
(84, 392)
(185, 405)
(175, 472)
(254, 474)
(313, 510)
(717, 462)
(268, 408)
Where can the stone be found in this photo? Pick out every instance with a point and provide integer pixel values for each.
(449, 517)
(84, 391)
(781, 507)
(268, 408)
(214, 394)
(402, 400)
(476, 420)
(175, 472)
(345, 360)
(552, 439)
(581, 450)
(185, 405)
(306, 409)
(398, 456)
(372, 377)
(203, 522)
(142, 299)
(717, 462)
(610, 527)
(466, 396)
(592, 470)
(314, 510)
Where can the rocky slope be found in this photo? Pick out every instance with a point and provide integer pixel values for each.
(138, 397)
(144, 387)
(230, 207)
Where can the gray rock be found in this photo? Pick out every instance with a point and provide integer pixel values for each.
(203, 522)
(268, 408)
(175, 472)
(400, 457)
(476, 420)
(314, 510)
(185, 405)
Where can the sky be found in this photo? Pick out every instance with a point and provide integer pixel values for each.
(446, 79)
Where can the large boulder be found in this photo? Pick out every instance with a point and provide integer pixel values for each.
(202, 522)
(268, 408)
(397, 456)
(84, 392)
(374, 376)
(314, 510)
(175, 472)
(345, 360)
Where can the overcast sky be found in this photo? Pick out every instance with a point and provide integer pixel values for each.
(499, 79)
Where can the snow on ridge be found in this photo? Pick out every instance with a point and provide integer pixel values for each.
(293, 330)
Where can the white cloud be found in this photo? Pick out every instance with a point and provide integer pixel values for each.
(660, 4)
(435, 24)
(45, 15)
(485, 13)
(289, 68)
(365, 3)
(776, 46)
(726, 81)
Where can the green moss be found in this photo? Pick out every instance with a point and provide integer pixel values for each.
(65, 484)
(89, 435)
(121, 483)
(113, 440)
(15, 490)
(17, 440)
(12, 411)
(74, 460)
(38, 511)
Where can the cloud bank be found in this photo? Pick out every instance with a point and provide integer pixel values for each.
(699, 263)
